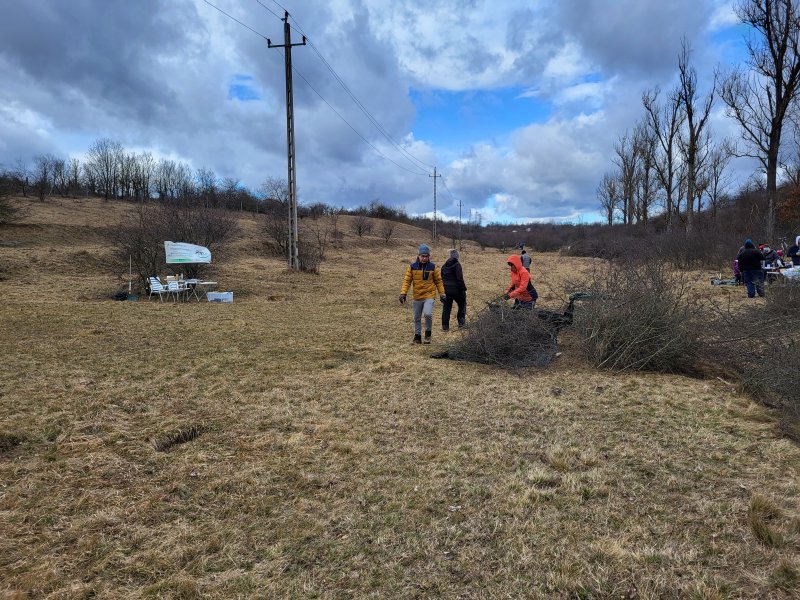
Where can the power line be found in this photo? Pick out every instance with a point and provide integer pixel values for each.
(282, 8)
(353, 128)
(366, 112)
(270, 10)
(410, 157)
(235, 19)
(294, 69)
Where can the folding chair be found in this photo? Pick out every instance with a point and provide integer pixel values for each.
(157, 288)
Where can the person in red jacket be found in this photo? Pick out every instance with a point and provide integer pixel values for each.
(521, 288)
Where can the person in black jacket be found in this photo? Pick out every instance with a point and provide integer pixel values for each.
(751, 264)
(454, 290)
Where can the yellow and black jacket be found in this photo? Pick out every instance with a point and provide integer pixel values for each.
(426, 278)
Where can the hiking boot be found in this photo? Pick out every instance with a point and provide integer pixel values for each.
(427, 337)
(417, 339)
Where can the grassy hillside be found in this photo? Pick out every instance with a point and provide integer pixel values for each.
(331, 458)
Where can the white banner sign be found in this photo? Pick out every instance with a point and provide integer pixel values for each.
(178, 252)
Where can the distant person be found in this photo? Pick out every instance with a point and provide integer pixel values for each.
(793, 253)
(521, 288)
(455, 291)
(751, 263)
(737, 274)
(770, 256)
(425, 278)
(526, 260)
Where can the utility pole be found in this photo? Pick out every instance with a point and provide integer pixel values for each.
(459, 224)
(434, 201)
(294, 259)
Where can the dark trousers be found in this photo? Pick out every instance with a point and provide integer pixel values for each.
(754, 280)
(523, 305)
(460, 298)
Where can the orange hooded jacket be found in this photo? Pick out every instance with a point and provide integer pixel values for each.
(520, 278)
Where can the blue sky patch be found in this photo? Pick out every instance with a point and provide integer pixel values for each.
(731, 43)
(241, 88)
(457, 118)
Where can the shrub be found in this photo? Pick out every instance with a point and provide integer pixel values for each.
(309, 256)
(506, 338)
(643, 317)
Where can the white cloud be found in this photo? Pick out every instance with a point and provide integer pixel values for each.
(164, 85)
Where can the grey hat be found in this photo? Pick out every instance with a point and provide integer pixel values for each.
(454, 253)
(423, 249)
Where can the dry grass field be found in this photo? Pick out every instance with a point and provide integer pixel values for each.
(324, 456)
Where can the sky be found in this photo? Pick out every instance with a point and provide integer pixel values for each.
(518, 104)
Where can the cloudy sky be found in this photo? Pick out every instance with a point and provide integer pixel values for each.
(517, 103)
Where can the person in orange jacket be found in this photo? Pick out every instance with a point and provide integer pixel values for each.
(521, 288)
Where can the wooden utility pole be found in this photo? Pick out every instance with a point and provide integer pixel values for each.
(434, 201)
(459, 224)
(294, 259)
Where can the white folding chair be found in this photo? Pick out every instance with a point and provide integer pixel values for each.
(157, 288)
(177, 288)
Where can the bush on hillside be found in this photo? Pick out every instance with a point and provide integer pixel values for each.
(308, 254)
(10, 211)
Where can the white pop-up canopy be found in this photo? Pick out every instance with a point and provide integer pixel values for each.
(180, 252)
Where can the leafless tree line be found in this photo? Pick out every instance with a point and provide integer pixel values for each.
(671, 162)
(109, 171)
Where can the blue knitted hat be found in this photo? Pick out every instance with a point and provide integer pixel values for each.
(423, 249)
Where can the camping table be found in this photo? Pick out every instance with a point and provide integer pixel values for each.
(205, 287)
(191, 288)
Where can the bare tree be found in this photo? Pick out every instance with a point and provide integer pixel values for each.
(361, 226)
(760, 99)
(229, 186)
(387, 230)
(697, 111)
(206, 186)
(74, 177)
(665, 122)
(144, 169)
(173, 180)
(43, 175)
(103, 159)
(625, 160)
(714, 180)
(608, 192)
(644, 142)
(9, 210)
(59, 175)
(277, 189)
(22, 173)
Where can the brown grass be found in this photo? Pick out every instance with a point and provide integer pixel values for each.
(338, 461)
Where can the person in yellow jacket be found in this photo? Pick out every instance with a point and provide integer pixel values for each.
(426, 279)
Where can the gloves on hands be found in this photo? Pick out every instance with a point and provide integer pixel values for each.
(402, 298)
(506, 296)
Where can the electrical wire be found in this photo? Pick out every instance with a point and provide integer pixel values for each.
(358, 133)
(410, 157)
(235, 19)
(281, 7)
(270, 10)
(316, 92)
